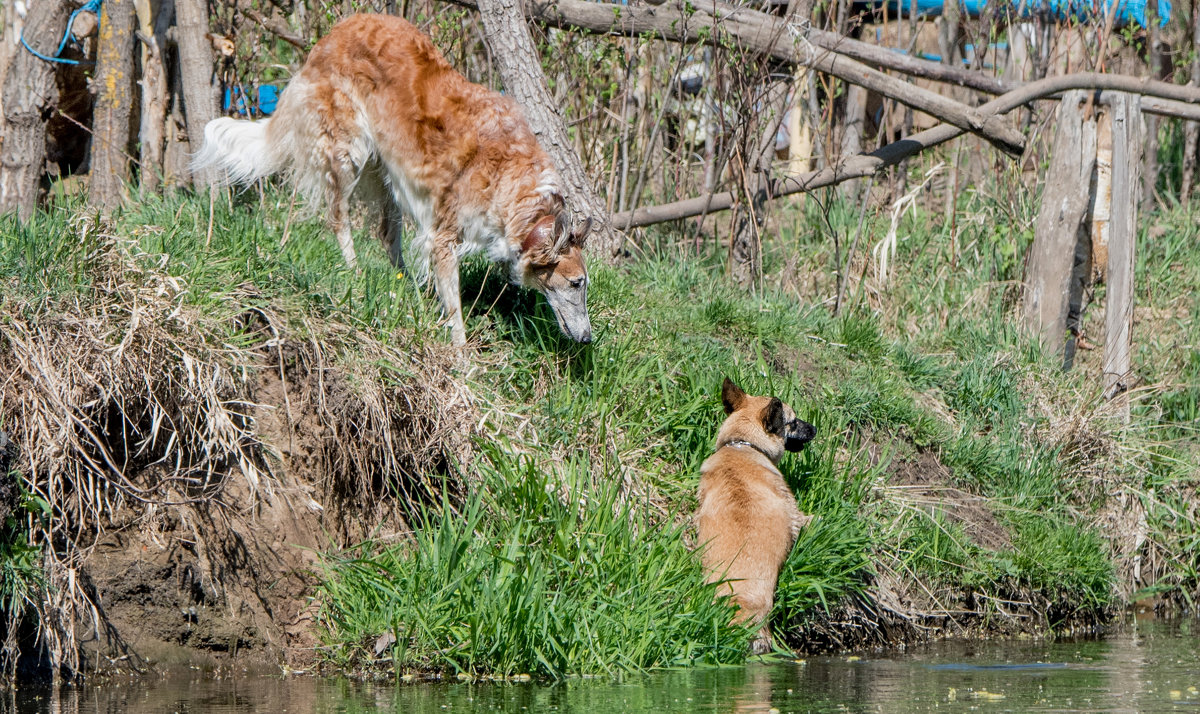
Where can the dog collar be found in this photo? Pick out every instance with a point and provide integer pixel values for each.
(739, 442)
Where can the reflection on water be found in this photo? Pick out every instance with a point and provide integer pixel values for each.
(1147, 667)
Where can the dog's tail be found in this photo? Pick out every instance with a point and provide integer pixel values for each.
(239, 149)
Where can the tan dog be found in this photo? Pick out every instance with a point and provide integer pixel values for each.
(748, 520)
(377, 112)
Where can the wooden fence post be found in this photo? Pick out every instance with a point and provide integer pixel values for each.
(1060, 220)
(1129, 140)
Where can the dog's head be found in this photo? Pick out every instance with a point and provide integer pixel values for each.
(765, 422)
(553, 265)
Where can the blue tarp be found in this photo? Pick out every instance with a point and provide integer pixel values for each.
(266, 96)
(1083, 10)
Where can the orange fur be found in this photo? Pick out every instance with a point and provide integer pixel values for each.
(377, 112)
(748, 520)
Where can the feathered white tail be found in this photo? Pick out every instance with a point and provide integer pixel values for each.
(239, 148)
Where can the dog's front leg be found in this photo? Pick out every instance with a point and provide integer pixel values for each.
(445, 277)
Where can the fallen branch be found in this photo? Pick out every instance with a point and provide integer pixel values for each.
(864, 165)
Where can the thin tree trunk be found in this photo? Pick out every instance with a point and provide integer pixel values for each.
(507, 35)
(28, 98)
(152, 133)
(114, 105)
(762, 127)
(1191, 129)
(1150, 160)
(196, 70)
(745, 250)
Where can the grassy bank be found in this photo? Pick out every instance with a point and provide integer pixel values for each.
(960, 479)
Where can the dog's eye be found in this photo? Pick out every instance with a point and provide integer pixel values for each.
(575, 283)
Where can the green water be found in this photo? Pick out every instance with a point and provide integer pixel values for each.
(1145, 667)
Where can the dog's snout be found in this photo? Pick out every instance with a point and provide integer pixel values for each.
(799, 433)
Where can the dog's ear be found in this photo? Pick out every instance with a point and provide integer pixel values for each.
(731, 396)
(539, 245)
(773, 418)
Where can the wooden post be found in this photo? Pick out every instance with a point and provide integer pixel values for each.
(1064, 209)
(29, 96)
(1128, 138)
(1102, 201)
(114, 105)
(852, 133)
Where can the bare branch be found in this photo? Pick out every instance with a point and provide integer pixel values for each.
(278, 28)
(761, 33)
(868, 164)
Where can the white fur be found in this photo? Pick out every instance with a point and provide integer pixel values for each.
(238, 148)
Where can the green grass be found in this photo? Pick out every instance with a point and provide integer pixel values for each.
(567, 556)
(535, 573)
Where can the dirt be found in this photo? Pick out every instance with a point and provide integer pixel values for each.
(926, 484)
(227, 581)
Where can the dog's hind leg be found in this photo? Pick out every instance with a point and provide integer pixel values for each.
(373, 191)
(390, 233)
(754, 608)
(339, 185)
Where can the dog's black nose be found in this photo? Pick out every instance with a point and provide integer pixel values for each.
(585, 338)
(799, 433)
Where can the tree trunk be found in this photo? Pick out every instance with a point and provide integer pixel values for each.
(9, 45)
(196, 69)
(152, 133)
(1150, 160)
(29, 98)
(1191, 129)
(114, 105)
(761, 129)
(508, 38)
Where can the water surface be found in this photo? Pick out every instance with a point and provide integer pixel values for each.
(1145, 667)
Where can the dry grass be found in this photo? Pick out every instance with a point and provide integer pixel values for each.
(128, 400)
